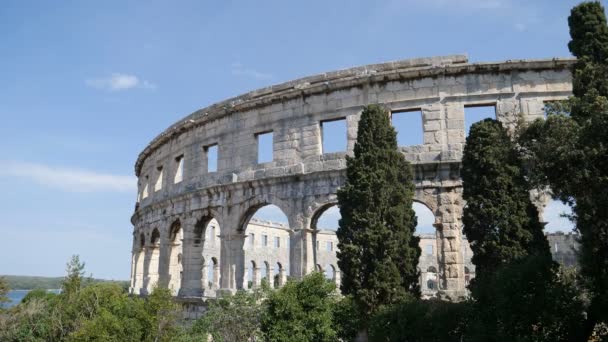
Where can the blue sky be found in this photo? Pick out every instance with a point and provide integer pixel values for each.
(86, 85)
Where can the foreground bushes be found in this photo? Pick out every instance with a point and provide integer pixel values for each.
(527, 306)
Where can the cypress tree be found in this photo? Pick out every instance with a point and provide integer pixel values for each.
(500, 220)
(512, 259)
(588, 188)
(569, 153)
(378, 252)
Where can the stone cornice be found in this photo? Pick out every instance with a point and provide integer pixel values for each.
(331, 81)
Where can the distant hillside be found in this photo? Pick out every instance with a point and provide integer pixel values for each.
(30, 282)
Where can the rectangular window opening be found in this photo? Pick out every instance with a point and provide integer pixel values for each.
(144, 192)
(179, 170)
(159, 179)
(211, 152)
(329, 246)
(408, 125)
(428, 249)
(252, 240)
(334, 136)
(265, 240)
(264, 147)
(277, 242)
(476, 113)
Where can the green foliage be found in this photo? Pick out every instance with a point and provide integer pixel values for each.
(420, 320)
(90, 312)
(589, 31)
(347, 319)
(569, 154)
(500, 220)
(377, 251)
(48, 283)
(301, 311)
(529, 302)
(4, 288)
(233, 318)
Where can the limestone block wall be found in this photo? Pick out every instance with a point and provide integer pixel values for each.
(176, 185)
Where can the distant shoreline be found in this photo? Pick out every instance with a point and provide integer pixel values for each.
(26, 283)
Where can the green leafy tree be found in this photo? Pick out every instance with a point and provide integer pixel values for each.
(233, 318)
(301, 311)
(74, 275)
(378, 251)
(164, 314)
(569, 153)
(500, 220)
(420, 320)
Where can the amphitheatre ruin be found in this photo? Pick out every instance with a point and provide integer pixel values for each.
(193, 227)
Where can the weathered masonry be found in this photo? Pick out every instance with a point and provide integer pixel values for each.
(204, 172)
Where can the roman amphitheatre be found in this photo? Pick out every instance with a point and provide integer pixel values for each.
(193, 227)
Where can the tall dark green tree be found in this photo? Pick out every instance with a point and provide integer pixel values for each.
(378, 251)
(569, 153)
(500, 220)
(517, 292)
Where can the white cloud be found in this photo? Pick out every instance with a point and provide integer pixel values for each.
(238, 69)
(119, 82)
(68, 179)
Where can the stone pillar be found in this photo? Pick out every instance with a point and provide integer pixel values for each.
(151, 269)
(301, 252)
(192, 261)
(232, 261)
(450, 259)
(256, 279)
(138, 272)
(133, 270)
(163, 259)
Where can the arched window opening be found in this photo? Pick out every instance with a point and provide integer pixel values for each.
(426, 219)
(264, 229)
(330, 272)
(278, 272)
(252, 276)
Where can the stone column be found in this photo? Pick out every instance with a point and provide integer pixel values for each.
(232, 261)
(301, 251)
(450, 259)
(151, 264)
(163, 259)
(192, 261)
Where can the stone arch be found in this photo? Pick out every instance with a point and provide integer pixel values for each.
(176, 236)
(254, 204)
(330, 272)
(319, 212)
(203, 243)
(265, 238)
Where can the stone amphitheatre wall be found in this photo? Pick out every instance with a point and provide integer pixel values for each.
(172, 216)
